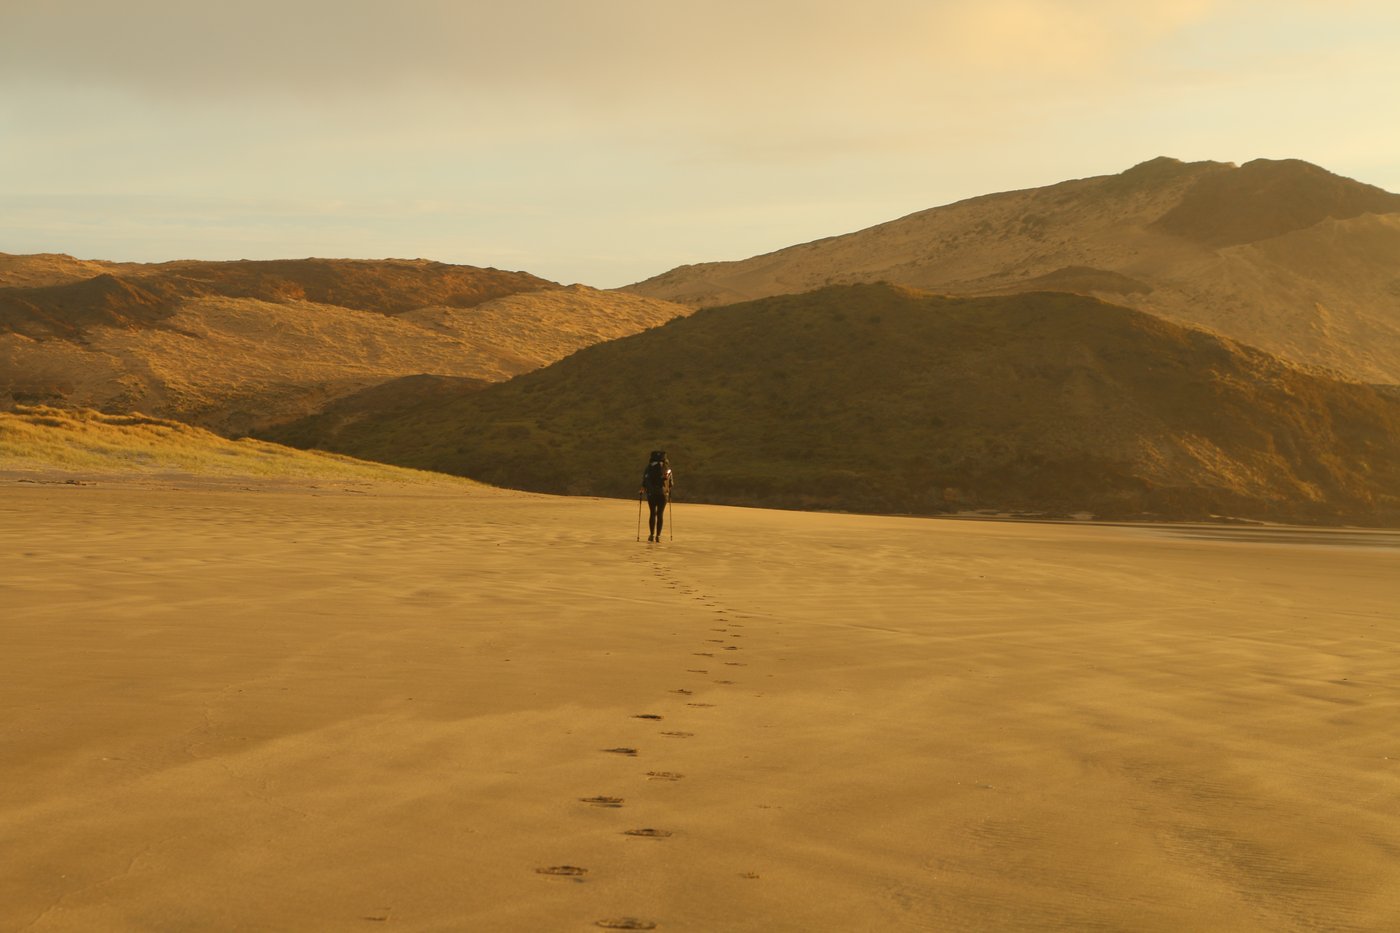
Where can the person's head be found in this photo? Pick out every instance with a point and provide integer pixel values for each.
(657, 456)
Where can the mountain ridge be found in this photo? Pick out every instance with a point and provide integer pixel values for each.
(1185, 256)
(386, 286)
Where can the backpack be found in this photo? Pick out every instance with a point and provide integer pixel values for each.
(656, 479)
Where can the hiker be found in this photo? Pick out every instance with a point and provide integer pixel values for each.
(656, 483)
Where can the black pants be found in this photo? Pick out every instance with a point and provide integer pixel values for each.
(657, 504)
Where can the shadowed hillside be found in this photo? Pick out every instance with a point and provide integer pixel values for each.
(877, 398)
(239, 345)
(71, 309)
(1264, 199)
(65, 307)
(389, 286)
(388, 401)
(1281, 255)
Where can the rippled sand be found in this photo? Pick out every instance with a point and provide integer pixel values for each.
(303, 709)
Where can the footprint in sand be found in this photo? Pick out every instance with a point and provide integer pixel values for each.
(629, 752)
(715, 641)
(702, 654)
(648, 716)
(726, 682)
(664, 776)
(692, 670)
(683, 692)
(626, 923)
(648, 833)
(701, 705)
(735, 664)
(563, 871)
(731, 647)
(602, 801)
(679, 735)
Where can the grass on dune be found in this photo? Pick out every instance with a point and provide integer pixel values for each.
(40, 438)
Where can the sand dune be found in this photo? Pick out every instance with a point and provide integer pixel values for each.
(431, 710)
(238, 346)
(235, 363)
(36, 270)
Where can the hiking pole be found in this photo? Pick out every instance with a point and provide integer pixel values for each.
(639, 516)
(672, 522)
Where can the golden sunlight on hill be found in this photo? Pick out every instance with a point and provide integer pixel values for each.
(239, 346)
(49, 442)
(1281, 255)
(40, 269)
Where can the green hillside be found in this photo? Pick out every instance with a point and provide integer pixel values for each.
(877, 398)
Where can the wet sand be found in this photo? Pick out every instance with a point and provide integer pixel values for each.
(300, 709)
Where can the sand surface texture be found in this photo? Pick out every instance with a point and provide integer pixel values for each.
(419, 710)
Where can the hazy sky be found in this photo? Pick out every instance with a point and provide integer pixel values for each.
(604, 141)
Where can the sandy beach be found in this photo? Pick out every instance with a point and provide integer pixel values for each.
(290, 708)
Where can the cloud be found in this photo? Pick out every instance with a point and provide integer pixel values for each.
(773, 81)
(607, 52)
(808, 71)
(1043, 38)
